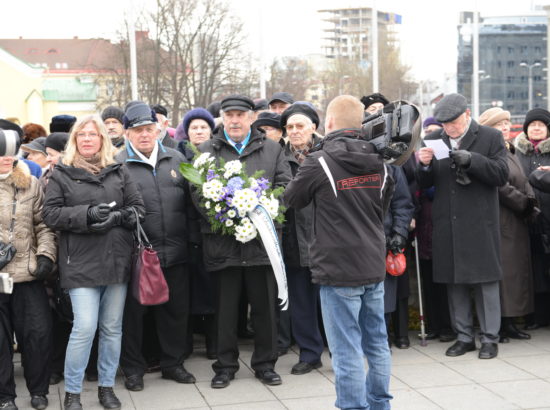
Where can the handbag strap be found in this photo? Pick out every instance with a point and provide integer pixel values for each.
(12, 224)
(140, 233)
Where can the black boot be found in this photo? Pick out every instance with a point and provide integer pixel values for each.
(107, 398)
(72, 401)
(514, 333)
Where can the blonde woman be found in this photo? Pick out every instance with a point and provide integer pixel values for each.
(88, 201)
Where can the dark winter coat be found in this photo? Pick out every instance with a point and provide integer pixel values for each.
(298, 222)
(165, 193)
(466, 234)
(89, 259)
(530, 159)
(222, 251)
(168, 142)
(184, 147)
(516, 290)
(397, 220)
(348, 246)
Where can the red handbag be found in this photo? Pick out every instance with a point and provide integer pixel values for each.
(149, 286)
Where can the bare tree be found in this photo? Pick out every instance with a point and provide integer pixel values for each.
(290, 74)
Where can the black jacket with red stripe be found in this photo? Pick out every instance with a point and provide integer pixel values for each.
(350, 189)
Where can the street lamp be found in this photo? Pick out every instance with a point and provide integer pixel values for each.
(530, 79)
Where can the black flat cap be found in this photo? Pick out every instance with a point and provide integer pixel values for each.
(159, 109)
(268, 118)
(536, 114)
(282, 96)
(450, 107)
(37, 144)
(137, 114)
(237, 102)
(374, 98)
(260, 104)
(57, 141)
(300, 108)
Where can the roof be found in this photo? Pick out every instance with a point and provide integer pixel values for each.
(63, 55)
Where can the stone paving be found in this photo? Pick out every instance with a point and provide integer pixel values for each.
(423, 378)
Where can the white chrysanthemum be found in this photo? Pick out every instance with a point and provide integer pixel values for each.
(228, 222)
(271, 205)
(207, 204)
(218, 208)
(202, 160)
(245, 231)
(212, 190)
(232, 168)
(253, 183)
(244, 200)
(231, 213)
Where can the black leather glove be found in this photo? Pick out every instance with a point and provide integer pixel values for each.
(128, 218)
(114, 219)
(397, 243)
(531, 204)
(98, 213)
(44, 266)
(462, 158)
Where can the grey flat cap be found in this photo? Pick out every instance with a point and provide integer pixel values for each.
(450, 107)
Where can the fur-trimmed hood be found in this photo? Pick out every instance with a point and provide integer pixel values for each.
(20, 176)
(526, 147)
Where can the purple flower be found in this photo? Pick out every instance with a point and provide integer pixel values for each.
(234, 184)
(211, 174)
(263, 183)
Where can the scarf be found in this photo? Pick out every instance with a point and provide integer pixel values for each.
(92, 164)
(301, 154)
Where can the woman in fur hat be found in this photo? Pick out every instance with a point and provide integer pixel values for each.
(533, 151)
(24, 311)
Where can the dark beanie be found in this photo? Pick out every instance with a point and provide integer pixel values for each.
(62, 123)
(112, 112)
(374, 98)
(197, 113)
(300, 108)
(215, 108)
(159, 109)
(536, 114)
(58, 140)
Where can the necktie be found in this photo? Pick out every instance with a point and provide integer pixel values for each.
(238, 145)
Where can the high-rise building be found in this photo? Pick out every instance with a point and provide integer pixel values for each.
(348, 32)
(511, 49)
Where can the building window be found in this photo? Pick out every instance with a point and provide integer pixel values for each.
(510, 79)
(523, 49)
(498, 49)
(537, 49)
(523, 79)
(499, 64)
(511, 94)
(537, 78)
(510, 50)
(510, 64)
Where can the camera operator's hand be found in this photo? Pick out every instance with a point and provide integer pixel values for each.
(462, 158)
(98, 213)
(425, 155)
(397, 243)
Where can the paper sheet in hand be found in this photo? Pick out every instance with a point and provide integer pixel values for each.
(441, 150)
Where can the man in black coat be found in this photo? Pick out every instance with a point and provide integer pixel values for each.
(155, 170)
(466, 244)
(234, 263)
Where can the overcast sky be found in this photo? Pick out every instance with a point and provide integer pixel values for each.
(290, 27)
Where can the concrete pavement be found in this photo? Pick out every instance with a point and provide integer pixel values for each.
(423, 378)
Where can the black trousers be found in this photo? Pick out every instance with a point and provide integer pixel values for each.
(171, 320)
(303, 302)
(261, 290)
(436, 301)
(27, 314)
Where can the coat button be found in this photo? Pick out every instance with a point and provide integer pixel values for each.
(244, 262)
(454, 217)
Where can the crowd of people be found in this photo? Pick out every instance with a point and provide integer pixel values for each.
(475, 200)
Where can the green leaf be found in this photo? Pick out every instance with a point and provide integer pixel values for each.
(191, 174)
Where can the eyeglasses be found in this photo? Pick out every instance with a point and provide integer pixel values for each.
(87, 134)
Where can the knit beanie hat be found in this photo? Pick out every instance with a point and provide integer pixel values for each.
(57, 141)
(113, 112)
(300, 108)
(536, 114)
(197, 113)
(62, 123)
(493, 116)
(430, 121)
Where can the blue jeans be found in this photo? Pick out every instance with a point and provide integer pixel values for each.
(90, 305)
(355, 328)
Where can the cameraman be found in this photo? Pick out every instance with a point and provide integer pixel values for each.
(350, 189)
(466, 248)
